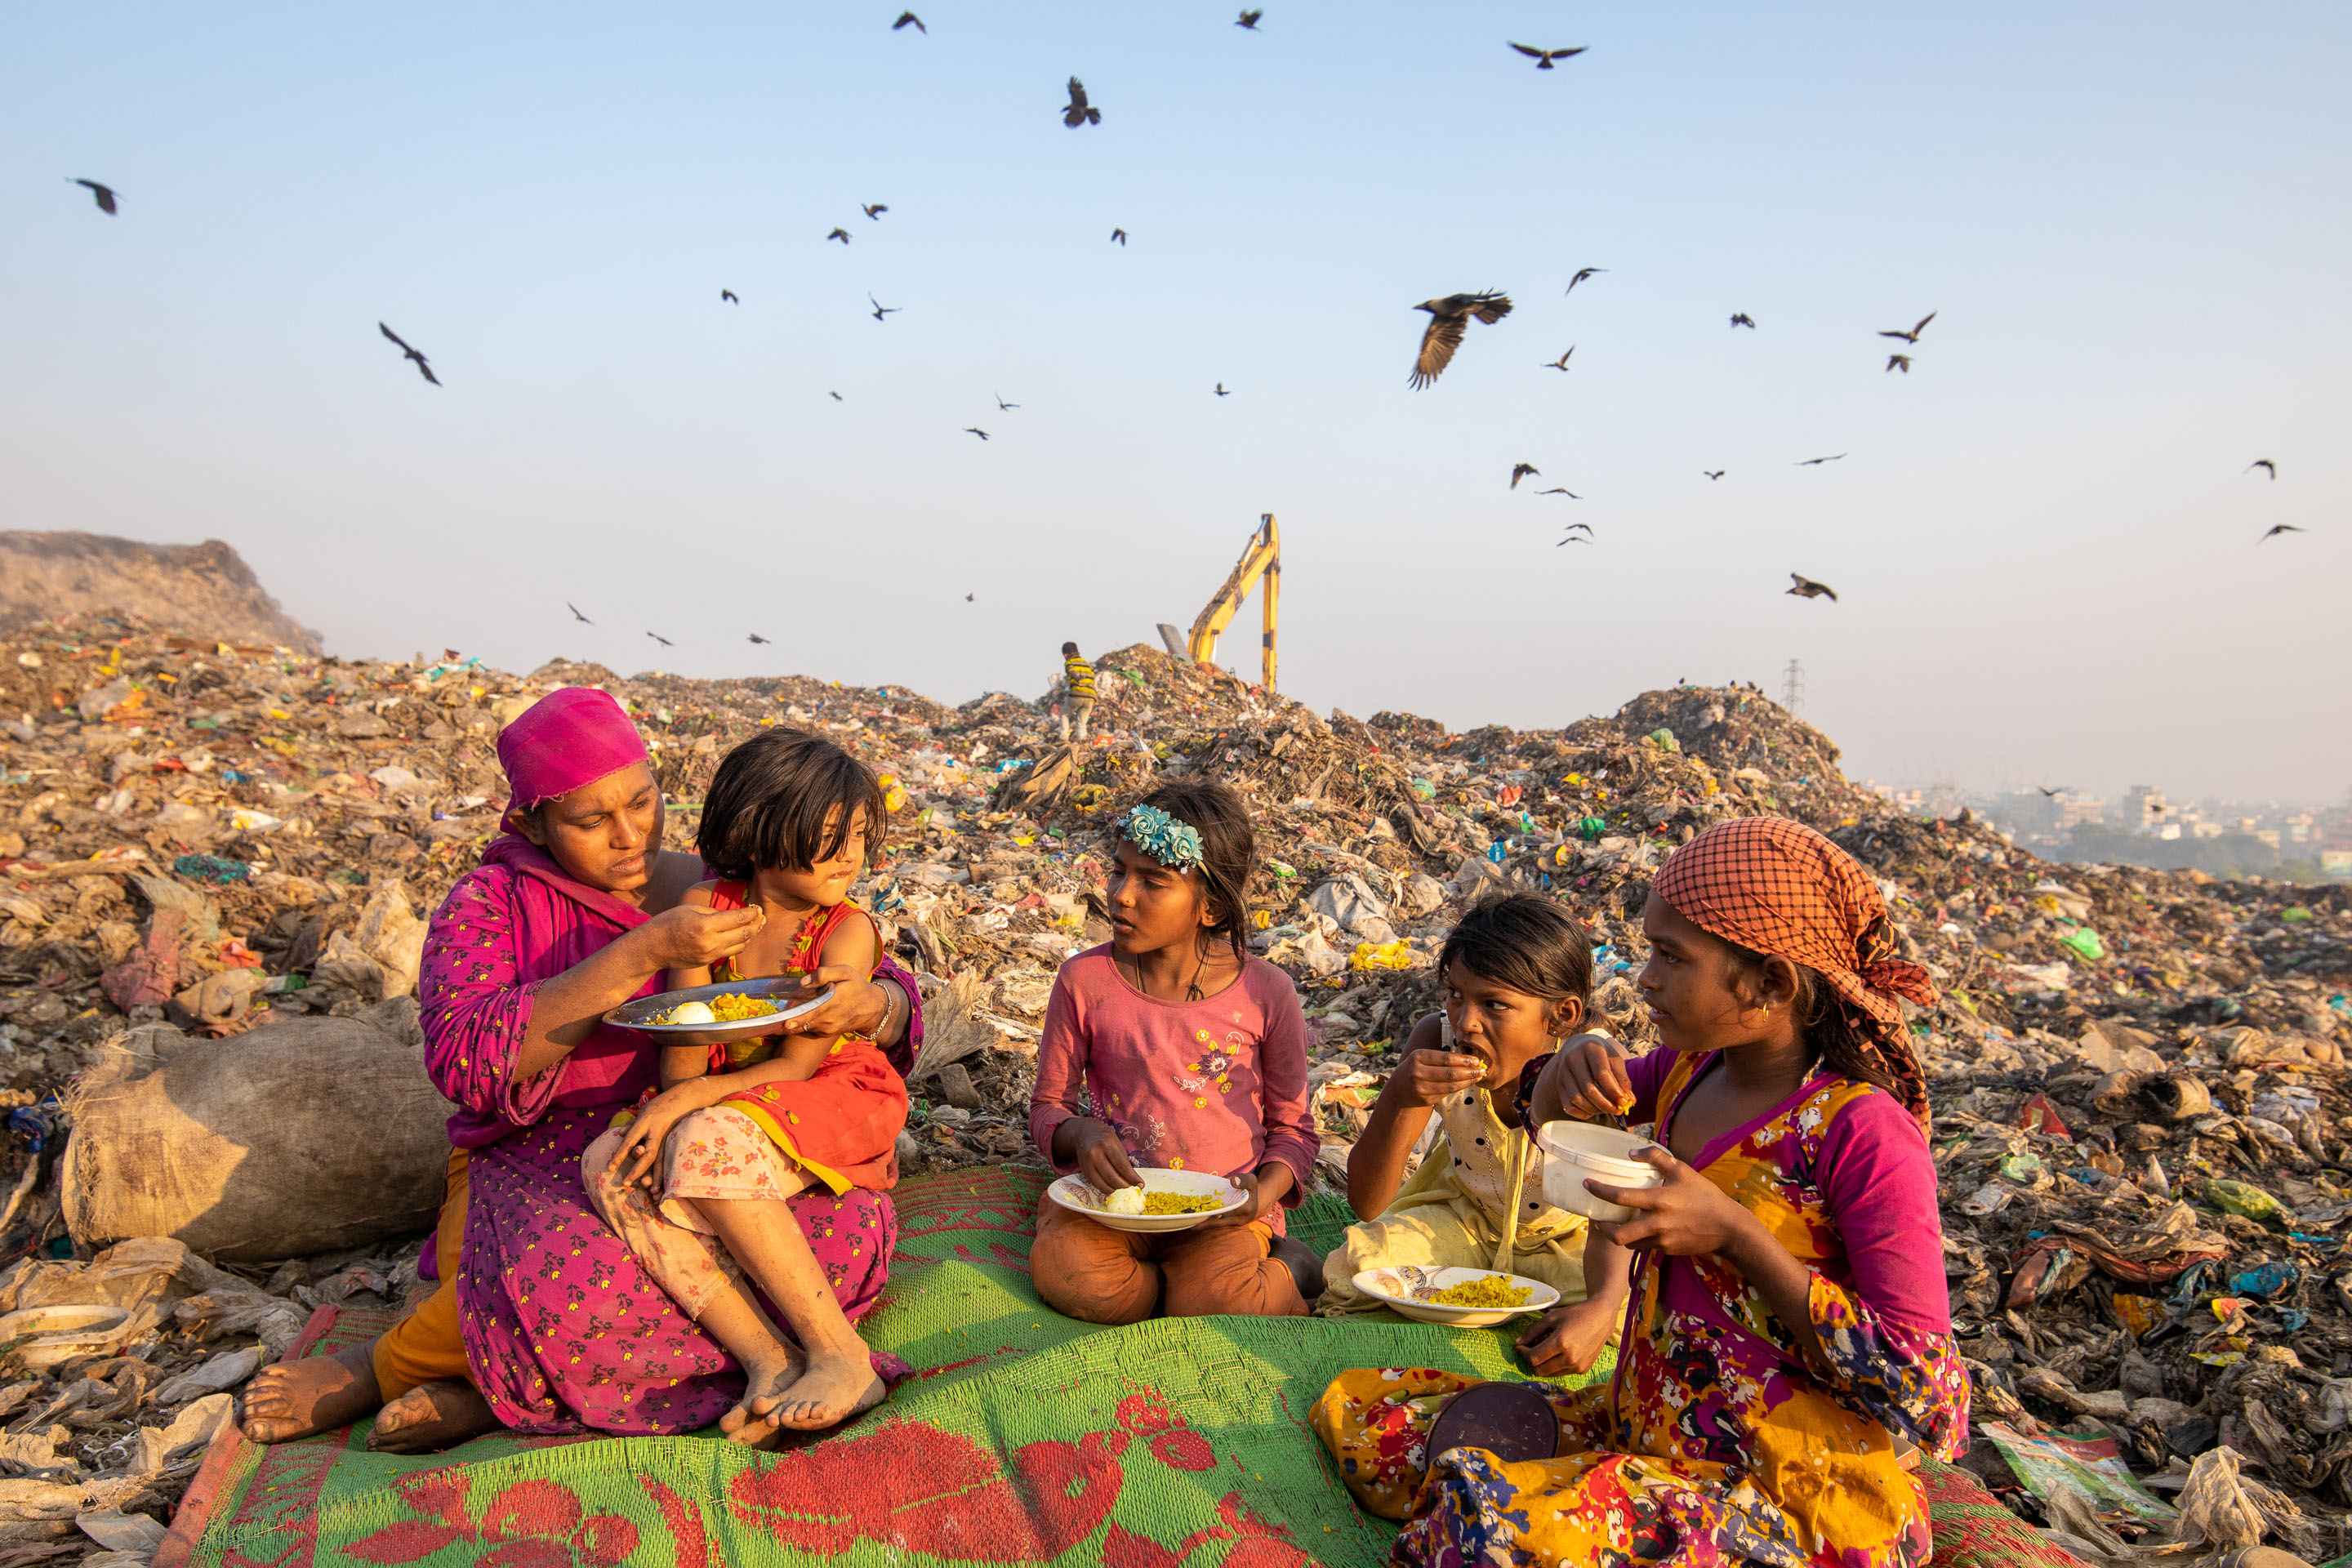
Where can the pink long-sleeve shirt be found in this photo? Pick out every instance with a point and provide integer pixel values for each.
(1214, 1085)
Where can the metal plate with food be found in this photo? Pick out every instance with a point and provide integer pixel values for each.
(717, 1013)
(1168, 1200)
(1460, 1297)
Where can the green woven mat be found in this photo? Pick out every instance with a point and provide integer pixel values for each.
(1025, 1437)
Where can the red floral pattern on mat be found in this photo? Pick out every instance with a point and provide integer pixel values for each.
(533, 1524)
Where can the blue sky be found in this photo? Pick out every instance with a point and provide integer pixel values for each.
(2129, 218)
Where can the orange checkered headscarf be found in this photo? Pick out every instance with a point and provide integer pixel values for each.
(1777, 887)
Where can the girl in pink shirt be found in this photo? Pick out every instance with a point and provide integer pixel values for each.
(1172, 1045)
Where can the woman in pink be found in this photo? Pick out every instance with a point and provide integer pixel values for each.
(1170, 1045)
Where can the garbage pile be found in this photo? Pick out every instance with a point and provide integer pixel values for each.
(2142, 1110)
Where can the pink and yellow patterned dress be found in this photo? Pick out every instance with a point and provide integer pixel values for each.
(1716, 1442)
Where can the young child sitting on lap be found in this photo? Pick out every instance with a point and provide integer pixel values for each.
(1171, 1046)
(1518, 977)
(738, 1128)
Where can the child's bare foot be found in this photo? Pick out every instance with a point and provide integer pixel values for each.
(318, 1394)
(764, 1382)
(435, 1415)
(834, 1389)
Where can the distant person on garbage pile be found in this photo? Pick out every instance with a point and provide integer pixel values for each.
(1171, 1046)
(697, 1178)
(1516, 979)
(1789, 1321)
(573, 911)
(1078, 693)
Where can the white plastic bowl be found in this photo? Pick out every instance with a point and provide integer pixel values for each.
(1075, 1193)
(1574, 1151)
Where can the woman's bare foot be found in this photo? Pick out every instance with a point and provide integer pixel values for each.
(764, 1383)
(834, 1389)
(433, 1416)
(318, 1394)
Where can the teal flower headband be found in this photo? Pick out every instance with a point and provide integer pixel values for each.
(1175, 844)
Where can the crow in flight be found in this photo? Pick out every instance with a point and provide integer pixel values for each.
(728, 295)
(2051, 794)
(1078, 112)
(1449, 318)
(1543, 58)
(971, 598)
(1119, 237)
(1001, 402)
(1742, 319)
(975, 430)
(103, 194)
(880, 309)
(1574, 526)
(873, 210)
(576, 614)
(1573, 539)
(2278, 528)
(834, 395)
(1561, 363)
(1817, 462)
(1713, 473)
(1563, 490)
(1220, 390)
(1806, 588)
(1520, 471)
(1581, 274)
(1912, 335)
(758, 639)
(1899, 362)
(661, 640)
(2265, 465)
(840, 234)
(1249, 19)
(422, 368)
(908, 18)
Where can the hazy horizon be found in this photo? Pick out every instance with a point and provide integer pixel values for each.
(2044, 538)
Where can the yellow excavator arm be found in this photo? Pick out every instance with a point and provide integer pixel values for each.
(1261, 561)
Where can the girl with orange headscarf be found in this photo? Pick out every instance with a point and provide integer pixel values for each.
(1787, 1321)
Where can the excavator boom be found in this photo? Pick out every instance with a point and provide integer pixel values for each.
(1261, 561)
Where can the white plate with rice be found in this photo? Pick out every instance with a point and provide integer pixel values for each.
(1080, 1196)
(1483, 1295)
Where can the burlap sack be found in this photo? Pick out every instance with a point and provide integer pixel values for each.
(298, 1137)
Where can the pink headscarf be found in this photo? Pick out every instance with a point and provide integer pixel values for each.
(568, 738)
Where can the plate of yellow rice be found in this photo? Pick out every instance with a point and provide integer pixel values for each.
(1168, 1200)
(711, 1015)
(1459, 1297)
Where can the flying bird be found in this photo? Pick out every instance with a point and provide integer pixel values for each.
(1713, 473)
(758, 639)
(2265, 465)
(1520, 471)
(1899, 362)
(2278, 528)
(422, 368)
(1449, 318)
(840, 234)
(970, 598)
(880, 309)
(1001, 402)
(1574, 526)
(975, 430)
(1572, 539)
(1078, 112)
(2049, 793)
(1817, 462)
(1564, 490)
(907, 19)
(1912, 335)
(576, 614)
(1543, 58)
(103, 194)
(872, 209)
(834, 395)
(1742, 319)
(1119, 237)
(1581, 274)
(728, 295)
(1561, 363)
(1220, 390)
(661, 640)
(1806, 588)
(1248, 19)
